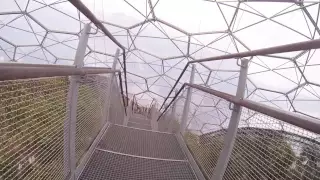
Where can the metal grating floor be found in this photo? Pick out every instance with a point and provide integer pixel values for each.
(141, 143)
(140, 120)
(105, 165)
(127, 153)
(139, 126)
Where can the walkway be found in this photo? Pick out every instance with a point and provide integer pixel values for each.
(125, 153)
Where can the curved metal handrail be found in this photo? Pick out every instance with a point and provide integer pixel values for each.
(305, 45)
(305, 122)
(15, 71)
(85, 11)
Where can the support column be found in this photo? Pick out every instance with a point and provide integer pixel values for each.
(107, 103)
(70, 121)
(129, 113)
(172, 115)
(154, 117)
(230, 136)
(186, 107)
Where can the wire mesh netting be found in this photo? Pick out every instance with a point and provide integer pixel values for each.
(207, 114)
(31, 130)
(164, 121)
(116, 110)
(91, 104)
(170, 121)
(265, 147)
(33, 114)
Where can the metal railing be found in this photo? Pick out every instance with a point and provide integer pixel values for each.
(306, 45)
(35, 109)
(269, 143)
(85, 11)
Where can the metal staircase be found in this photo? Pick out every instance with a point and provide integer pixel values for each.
(63, 122)
(140, 121)
(130, 153)
(66, 123)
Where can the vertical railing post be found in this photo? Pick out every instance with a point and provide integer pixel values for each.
(70, 121)
(186, 107)
(154, 117)
(230, 136)
(129, 113)
(106, 110)
(172, 117)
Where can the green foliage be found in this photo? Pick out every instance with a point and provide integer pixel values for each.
(258, 154)
(31, 120)
(88, 117)
(306, 166)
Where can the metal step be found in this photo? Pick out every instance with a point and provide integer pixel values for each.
(141, 143)
(112, 166)
(140, 120)
(139, 126)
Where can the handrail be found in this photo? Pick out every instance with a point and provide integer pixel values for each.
(133, 102)
(305, 122)
(85, 11)
(150, 106)
(305, 45)
(12, 72)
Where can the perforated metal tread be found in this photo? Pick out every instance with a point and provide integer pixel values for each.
(140, 120)
(140, 126)
(106, 165)
(141, 143)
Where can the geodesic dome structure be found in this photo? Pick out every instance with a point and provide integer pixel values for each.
(161, 36)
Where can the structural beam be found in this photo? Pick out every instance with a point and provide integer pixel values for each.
(71, 104)
(305, 122)
(109, 90)
(301, 46)
(230, 136)
(84, 10)
(13, 73)
(186, 107)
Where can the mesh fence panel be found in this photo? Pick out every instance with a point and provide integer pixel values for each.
(91, 104)
(31, 130)
(116, 111)
(32, 117)
(207, 115)
(164, 121)
(172, 119)
(267, 148)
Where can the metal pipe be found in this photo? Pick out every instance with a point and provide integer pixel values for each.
(13, 73)
(121, 91)
(36, 65)
(71, 105)
(85, 11)
(305, 45)
(19, 72)
(305, 122)
(230, 137)
(186, 107)
(300, 46)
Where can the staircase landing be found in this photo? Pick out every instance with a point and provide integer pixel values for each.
(129, 153)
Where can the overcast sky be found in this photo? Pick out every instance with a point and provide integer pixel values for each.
(192, 16)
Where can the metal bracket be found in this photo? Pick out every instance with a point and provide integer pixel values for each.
(94, 33)
(231, 108)
(239, 64)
